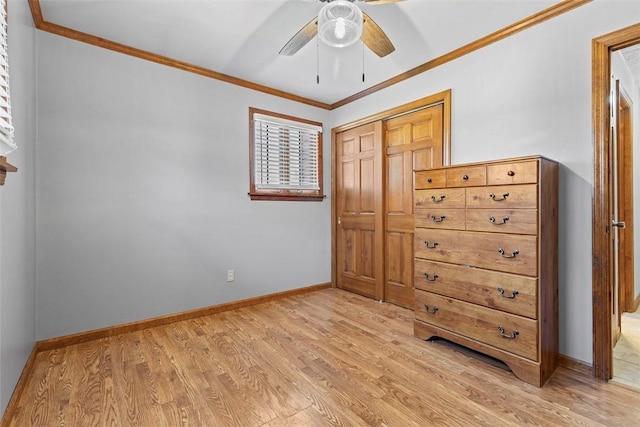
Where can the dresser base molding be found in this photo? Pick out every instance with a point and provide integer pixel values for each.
(527, 370)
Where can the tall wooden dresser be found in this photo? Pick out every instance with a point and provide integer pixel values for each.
(486, 251)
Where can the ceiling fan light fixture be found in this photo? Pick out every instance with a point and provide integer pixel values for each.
(340, 23)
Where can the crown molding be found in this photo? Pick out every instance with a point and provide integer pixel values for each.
(549, 13)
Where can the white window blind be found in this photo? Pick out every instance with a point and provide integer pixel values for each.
(7, 144)
(286, 154)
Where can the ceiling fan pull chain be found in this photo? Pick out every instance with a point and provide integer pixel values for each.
(317, 60)
(363, 61)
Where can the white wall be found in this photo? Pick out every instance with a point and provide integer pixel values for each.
(143, 173)
(531, 94)
(143, 176)
(17, 207)
(621, 72)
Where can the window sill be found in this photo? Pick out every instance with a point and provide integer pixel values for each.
(287, 197)
(4, 168)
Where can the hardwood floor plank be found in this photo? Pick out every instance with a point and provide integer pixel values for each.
(626, 353)
(317, 359)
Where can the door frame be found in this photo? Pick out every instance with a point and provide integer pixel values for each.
(443, 98)
(602, 269)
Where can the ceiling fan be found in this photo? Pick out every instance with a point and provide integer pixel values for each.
(372, 35)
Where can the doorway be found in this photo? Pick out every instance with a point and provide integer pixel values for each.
(604, 274)
(626, 324)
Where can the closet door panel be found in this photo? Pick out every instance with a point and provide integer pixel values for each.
(412, 141)
(359, 237)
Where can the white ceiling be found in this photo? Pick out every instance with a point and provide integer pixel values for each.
(242, 38)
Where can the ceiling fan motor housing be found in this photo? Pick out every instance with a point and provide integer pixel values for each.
(340, 23)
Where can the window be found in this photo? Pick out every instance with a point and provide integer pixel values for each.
(285, 157)
(6, 129)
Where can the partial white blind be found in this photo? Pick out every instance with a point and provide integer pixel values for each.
(286, 154)
(7, 143)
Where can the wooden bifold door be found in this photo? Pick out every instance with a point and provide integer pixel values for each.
(359, 207)
(374, 165)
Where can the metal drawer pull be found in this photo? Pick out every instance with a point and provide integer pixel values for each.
(429, 180)
(465, 177)
(436, 200)
(513, 335)
(504, 220)
(432, 311)
(513, 293)
(504, 197)
(430, 278)
(511, 173)
(432, 246)
(434, 219)
(513, 253)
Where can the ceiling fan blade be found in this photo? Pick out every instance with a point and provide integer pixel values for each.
(301, 38)
(382, 1)
(375, 38)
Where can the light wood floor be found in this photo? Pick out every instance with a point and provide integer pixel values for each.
(626, 353)
(318, 359)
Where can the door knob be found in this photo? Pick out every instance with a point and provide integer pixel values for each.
(619, 224)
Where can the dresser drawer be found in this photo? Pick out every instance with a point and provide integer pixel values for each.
(467, 176)
(452, 219)
(507, 196)
(430, 179)
(511, 253)
(509, 332)
(517, 221)
(502, 291)
(439, 198)
(513, 173)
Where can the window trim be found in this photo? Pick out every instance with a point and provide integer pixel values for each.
(282, 194)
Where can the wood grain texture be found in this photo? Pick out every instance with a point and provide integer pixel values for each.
(626, 353)
(359, 210)
(25, 378)
(301, 38)
(602, 275)
(479, 323)
(67, 340)
(459, 299)
(374, 38)
(506, 292)
(548, 266)
(625, 200)
(324, 358)
(479, 249)
(411, 141)
(583, 368)
(440, 198)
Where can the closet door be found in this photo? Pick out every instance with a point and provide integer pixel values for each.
(359, 206)
(412, 141)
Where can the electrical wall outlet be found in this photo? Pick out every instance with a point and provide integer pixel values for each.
(231, 276)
